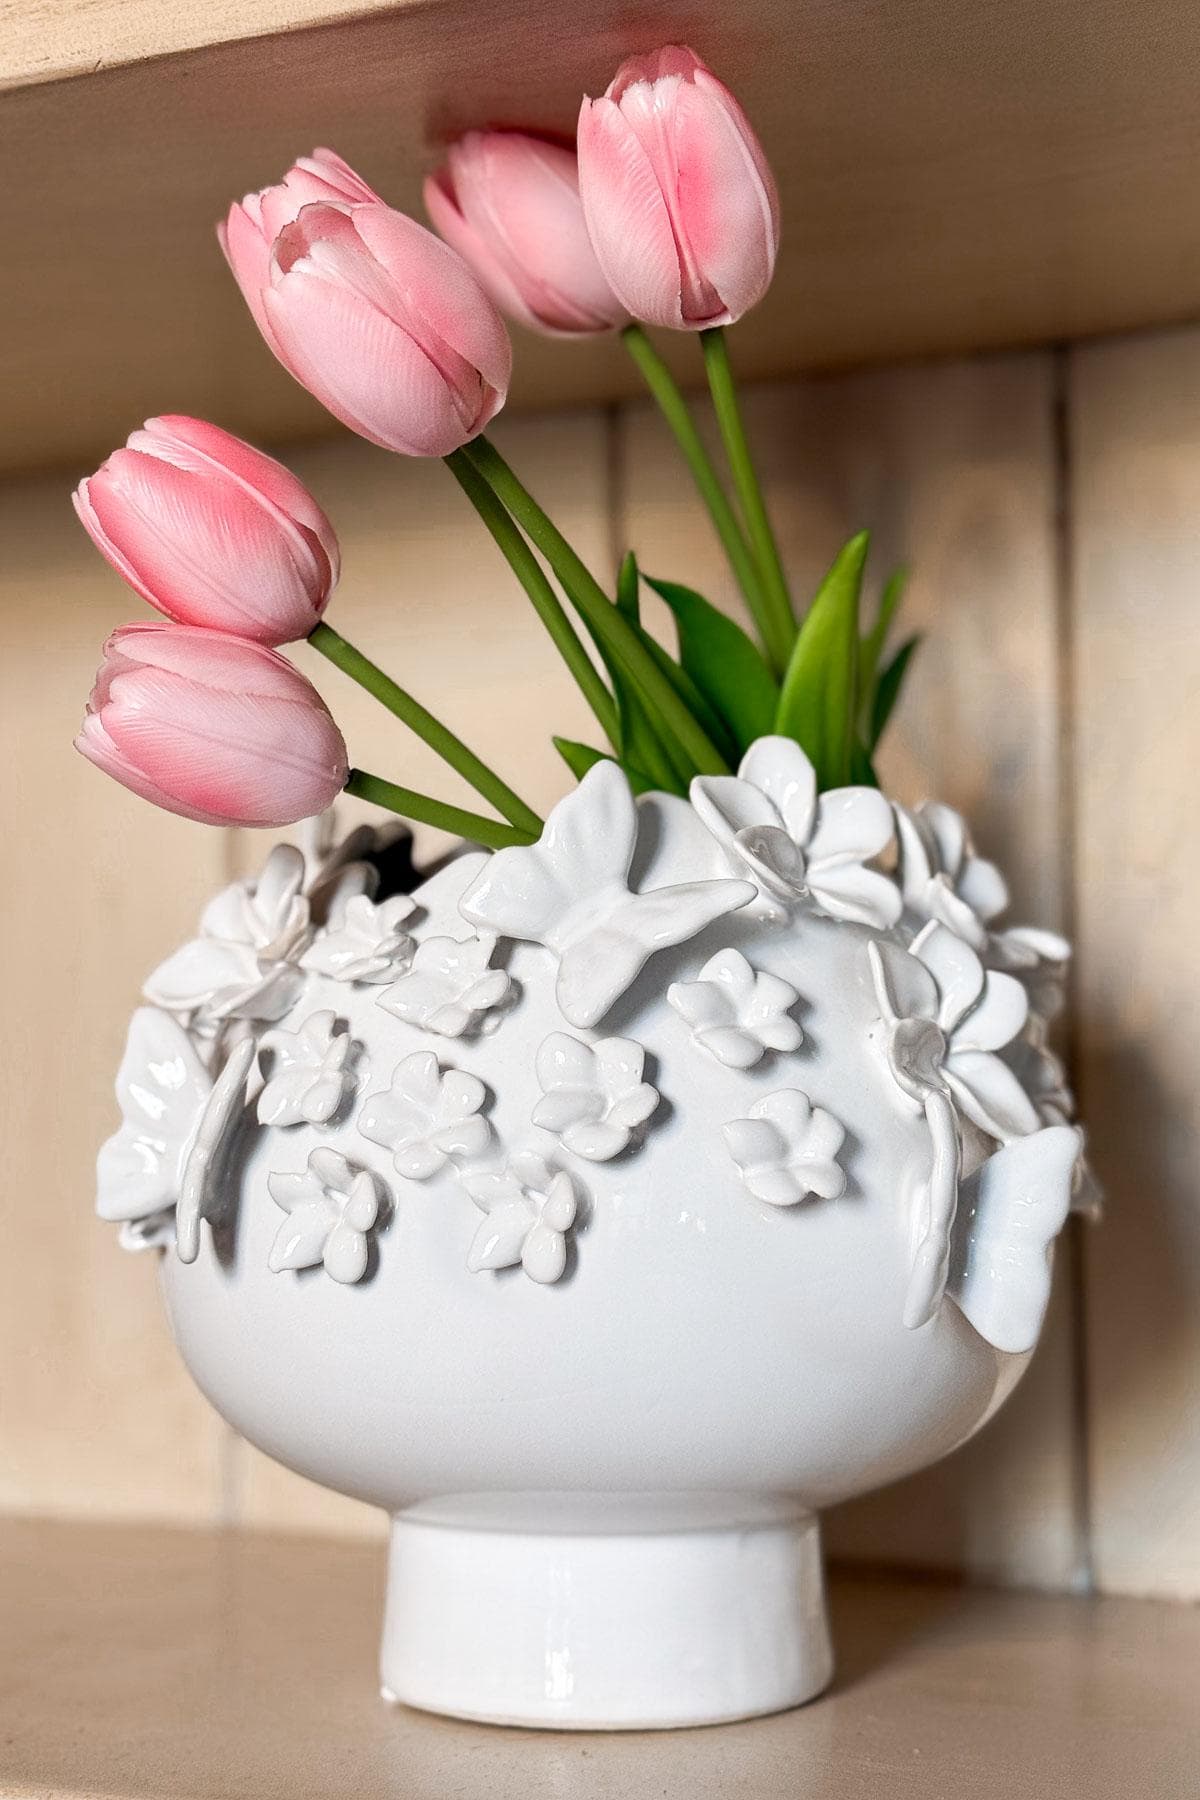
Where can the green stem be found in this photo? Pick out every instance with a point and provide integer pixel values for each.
(531, 575)
(427, 811)
(779, 620)
(608, 626)
(450, 748)
(671, 404)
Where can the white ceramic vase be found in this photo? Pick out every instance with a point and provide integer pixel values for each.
(605, 1210)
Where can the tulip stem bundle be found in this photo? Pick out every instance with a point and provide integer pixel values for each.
(673, 406)
(424, 810)
(779, 623)
(438, 736)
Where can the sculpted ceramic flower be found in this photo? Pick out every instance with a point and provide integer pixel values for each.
(787, 1148)
(331, 1206)
(162, 1089)
(369, 311)
(211, 531)
(798, 845)
(737, 1013)
(570, 891)
(509, 204)
(593, 1095)
(211, 726)
(310, 1074)
(363, 942)
(679, 200)
(451, 986)
(944, 1018)
(427, 1117)
(942, 878)
(529, 1209)
(242, 966)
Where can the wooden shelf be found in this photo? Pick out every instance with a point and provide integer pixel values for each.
(954, 177)
(194, 1666)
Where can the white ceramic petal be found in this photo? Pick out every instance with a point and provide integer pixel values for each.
(990, 1094)
(544, 1254)
(956, 969)
(996, 1020)
(852, 824)
(785, 775)
(727, 805)
(1011, 1210)
(848, 891)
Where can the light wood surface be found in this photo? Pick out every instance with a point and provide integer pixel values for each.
(1136, 513)
(954, 177)
(954, 469)
(159, 1666)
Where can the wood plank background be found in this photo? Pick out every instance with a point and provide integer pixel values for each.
(1050, 505)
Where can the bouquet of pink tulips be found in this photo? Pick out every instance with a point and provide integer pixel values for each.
(664, 214)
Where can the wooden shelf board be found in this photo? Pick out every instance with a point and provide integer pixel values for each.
(953, 178)
(200, 1666)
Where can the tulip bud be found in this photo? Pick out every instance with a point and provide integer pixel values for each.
(384, 324)
(211, 531)
(213, 727)
(509, 204)
(679, 200)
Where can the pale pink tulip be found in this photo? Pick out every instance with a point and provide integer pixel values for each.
(252, 224)
(211, 531)
(679, 200)
(215, 727)
(509, 204)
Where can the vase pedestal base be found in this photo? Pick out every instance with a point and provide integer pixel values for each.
(624, 1625)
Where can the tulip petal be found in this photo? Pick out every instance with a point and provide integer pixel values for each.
(627, 217)
(727, 195)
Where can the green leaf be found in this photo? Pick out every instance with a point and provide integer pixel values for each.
(639, 744)
(888, 690)
(724, 663)
(870, 650)
(818, 704)
(691, 696)
(627, 589)
(579, 758)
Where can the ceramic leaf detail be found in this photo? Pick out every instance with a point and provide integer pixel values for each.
(363, 942)
(787, 1149)
(242, 965)
(331, 1206)
(737, 1013)
(311, 1072)
(529, 1209)
(593, 1095)
(570, 891)
(1011, 1210)
(153, 1174)
(941, 877)
(428, 1117)
(451, 987)
(797, 845)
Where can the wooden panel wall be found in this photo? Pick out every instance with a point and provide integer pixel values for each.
(1041, 535)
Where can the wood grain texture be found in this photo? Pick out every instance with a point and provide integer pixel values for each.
(1136, 553)
(952, 177)
(202, 1666)
(427, 595)
(96, 1414)
(952, 467)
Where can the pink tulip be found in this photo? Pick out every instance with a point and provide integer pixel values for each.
(212, 532)
(679, 201)
(509, 204)
(212, 726)
(251, 226)
(369, 311)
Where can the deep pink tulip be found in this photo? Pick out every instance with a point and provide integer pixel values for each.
(252, 224)
(211, 531)
(213, 727)
(680, 203)
(509, 204)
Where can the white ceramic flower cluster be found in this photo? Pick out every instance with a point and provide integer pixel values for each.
(961, 1015)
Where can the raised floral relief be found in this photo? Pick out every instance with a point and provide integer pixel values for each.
(242, 965)
(362, 942)
(941, 877)
(331, 1206)
(736, 1012)
(593, 1096)
(529, 1208)
(310, 1072)
(570, 892)
(797, 845)
(451, 987)
(787, 1149)
(428, 1116)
